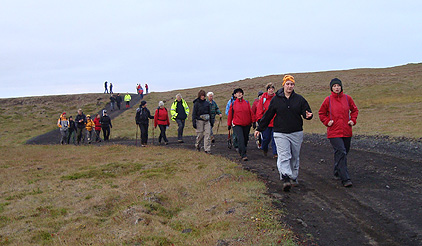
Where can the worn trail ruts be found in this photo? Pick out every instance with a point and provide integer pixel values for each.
(382, 208)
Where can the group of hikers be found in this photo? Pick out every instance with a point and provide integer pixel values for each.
(84, 129)
(276, 116)
(140, 90)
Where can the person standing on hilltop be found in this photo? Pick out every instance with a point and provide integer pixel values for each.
(161, 118)
(105, 87)
(179, 112)
(106, 125)
(127, 100)
(80, 121)
(201, 121)
(118, 100)
(339, 113)
(267, 134)
(141, 92)
(215, 110)
(111, 88)
(142, 120)
(146, 88)
(63, 124)
(240, 118)
(288, 108)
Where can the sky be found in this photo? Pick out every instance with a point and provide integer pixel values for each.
(65, 47)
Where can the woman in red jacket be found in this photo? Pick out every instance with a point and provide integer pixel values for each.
(338, 113)
(161, 118)
(240, 117)
(97, 128)
(267, 134)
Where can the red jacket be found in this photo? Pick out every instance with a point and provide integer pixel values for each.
(161, 117)
(242, 111)
(340, 108)
(262, 107)
(97, 124)
(255, 103)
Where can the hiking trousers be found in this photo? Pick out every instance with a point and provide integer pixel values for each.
(203, 131)
(97, 135)
(89, 135)
(181, 126)
(242, 135)
(79, 135)
(106, 132)
(341, 148)
(163, 136)
(71, 135)
(288, 150)
(144, 133)
(267, 137)
(63, 133)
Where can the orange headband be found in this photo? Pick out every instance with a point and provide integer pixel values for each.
(288, 78)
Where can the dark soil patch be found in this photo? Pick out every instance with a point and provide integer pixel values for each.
(382, 208)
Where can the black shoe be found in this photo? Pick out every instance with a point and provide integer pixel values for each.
(245, 158)
(180, 141)
(167, 143)
(347, 183)
(198, 148)
(286, 186)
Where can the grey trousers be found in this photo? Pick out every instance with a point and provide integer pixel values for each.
(203, 131)
(288, 150)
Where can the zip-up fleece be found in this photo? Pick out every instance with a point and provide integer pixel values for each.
(161, 117)
(288, 113)
(340, 108)
(240, 113)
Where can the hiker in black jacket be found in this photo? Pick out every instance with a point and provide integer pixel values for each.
(142, 120)
(289, 108)
(119, 100)
(80, 121)
(106, 125)
(201, 117)
(71, 131)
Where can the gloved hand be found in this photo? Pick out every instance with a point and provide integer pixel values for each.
(254, 125)
(229, 127)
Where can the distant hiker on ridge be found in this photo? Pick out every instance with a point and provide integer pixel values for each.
(179, 113)
(112, 101)
(338, 113)
(111, 88)
(146, 88)
(105, 87)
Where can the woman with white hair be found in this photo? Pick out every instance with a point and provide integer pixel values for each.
(161, 118)
(215, 110)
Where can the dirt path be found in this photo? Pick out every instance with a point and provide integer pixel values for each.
(382, 208)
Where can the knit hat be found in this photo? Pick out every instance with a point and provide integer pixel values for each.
(336, 81)
(288, 78)
(88, 115)
(238, 90)
(143, 103)
(260, 93)
(64, 113)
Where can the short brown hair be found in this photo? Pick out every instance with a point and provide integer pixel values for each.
(201, 93)
(270, 85)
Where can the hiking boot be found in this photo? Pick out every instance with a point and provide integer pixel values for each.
(198, 148)
(208, 152)
(294, 182)
(212, 139)
(275, 156)
(167, 143)
(180, 141)
(265, 152)
(286, 186)
(336, 177)
(347, 183)
(245, 158)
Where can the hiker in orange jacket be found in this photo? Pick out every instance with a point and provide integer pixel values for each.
(63, 124)
(90, 125)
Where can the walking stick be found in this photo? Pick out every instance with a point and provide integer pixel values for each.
(136, 138)
(218, 126)
(229, 141)
(153, 130)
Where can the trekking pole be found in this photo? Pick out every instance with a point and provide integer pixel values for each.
(218, 126)
(136, 137)
(153, 130)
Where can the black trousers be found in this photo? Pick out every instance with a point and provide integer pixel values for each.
(181, 126)
(162, 133)
(106, 132)
(144, 133)
(242, 134)
(341, 148)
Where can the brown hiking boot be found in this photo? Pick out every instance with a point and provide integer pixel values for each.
(286, 186)
(347, 183)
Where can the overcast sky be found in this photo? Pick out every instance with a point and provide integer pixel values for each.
(65, 47)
